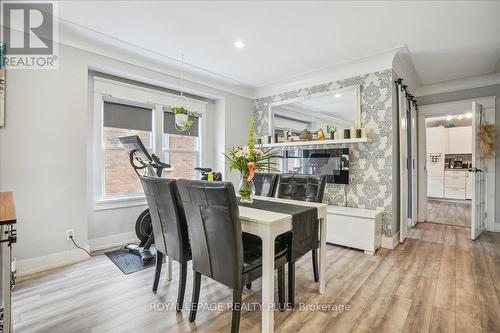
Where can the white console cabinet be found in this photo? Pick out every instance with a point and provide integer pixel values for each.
(354, 227)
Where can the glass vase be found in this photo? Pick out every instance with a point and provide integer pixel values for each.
(246, 189)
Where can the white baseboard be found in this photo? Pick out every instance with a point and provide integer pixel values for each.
(50, 261)
(107, 242)
(496, 227)
(390, 242)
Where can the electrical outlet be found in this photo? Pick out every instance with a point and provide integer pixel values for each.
(70, 233)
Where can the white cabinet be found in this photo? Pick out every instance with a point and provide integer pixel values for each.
(437, 140)
(459, 140)
(454, 184)
(435, 186)
(469, 183)
(354, 227)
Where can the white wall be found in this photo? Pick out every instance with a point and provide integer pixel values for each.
(45, 153)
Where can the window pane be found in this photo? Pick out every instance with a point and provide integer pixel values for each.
(183, 165)
(120, 178)
(180, 142)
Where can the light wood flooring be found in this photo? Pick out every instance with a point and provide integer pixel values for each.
(437, 281)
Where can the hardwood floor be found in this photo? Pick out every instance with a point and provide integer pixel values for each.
(437, 281)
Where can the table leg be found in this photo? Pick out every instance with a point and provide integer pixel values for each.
(169, 269)
(322, 256)
(267, 283)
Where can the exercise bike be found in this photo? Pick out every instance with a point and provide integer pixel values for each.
(144, 164)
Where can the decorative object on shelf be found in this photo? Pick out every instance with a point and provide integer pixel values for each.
(332, 131)
(321, 134)
(305, 135)
(2, 84)
(358, 133)
(339, 135)
(352, 132)
(347, 133)
(363, 132)
(486, 136)
(247, 160)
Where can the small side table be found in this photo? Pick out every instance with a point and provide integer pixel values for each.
(8, 236)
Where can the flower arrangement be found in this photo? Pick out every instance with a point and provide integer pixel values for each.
(247, 160)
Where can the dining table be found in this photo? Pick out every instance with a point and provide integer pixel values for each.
(268, 225)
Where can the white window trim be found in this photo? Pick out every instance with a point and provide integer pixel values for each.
(106, 90)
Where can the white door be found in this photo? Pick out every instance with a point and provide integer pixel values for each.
(403, 169)
(478, 222)
(414, 181)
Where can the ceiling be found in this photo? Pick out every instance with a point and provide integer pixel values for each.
(446, 39)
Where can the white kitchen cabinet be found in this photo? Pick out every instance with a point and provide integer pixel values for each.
(459, 140)
(435, 186)
(454, 193)
(437, 140)
(469, 183)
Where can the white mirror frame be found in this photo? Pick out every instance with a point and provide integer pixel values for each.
(325, 93)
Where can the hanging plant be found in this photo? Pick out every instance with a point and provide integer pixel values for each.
(183, 118)
(486, 137)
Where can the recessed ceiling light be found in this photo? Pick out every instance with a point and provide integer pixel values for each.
(239, 44)
(338, 95)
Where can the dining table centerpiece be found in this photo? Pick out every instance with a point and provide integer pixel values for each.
(248, 160)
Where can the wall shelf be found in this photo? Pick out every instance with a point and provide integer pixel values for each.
(314, 143)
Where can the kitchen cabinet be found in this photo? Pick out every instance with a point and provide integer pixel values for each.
(469, 183)
(435, 186)
(454, 184)
(459, 140)
(437, 140)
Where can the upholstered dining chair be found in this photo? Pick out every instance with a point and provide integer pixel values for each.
(265, 184)
(219, 250)
(169, 228)
(304, 188)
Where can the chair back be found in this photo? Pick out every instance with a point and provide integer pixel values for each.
(302, 187)
(265, 184)
(167, 217)
(214, 229)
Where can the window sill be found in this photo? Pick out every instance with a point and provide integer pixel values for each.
(114, 203)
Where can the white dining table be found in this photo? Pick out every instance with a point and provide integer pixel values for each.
(268, 225)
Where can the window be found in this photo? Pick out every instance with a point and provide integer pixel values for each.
(180, 149)
(122, 109)
(123, 120)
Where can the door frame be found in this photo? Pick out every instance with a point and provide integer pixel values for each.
(455, 107)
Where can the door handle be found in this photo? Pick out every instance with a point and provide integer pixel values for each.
(475, 170)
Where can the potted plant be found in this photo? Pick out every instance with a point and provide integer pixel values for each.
(247, 160)
(333, 129)
(183, 120)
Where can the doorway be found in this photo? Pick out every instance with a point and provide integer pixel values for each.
(448, 164)
(456, 185)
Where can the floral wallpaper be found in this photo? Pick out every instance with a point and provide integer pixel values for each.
(370, 173)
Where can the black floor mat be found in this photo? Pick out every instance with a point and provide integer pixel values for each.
(128, 262)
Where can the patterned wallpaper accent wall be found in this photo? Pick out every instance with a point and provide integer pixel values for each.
(370, 163)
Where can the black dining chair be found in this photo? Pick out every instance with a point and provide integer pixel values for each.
(219, 249)
(265, 184)
(303, 188)
(169, 228)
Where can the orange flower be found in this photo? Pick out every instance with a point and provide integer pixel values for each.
(252, 167)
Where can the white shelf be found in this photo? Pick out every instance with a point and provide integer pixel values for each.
(314, 143)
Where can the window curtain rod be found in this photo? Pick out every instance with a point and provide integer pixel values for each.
(409, 97)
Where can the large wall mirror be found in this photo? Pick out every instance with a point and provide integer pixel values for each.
(339, 108)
